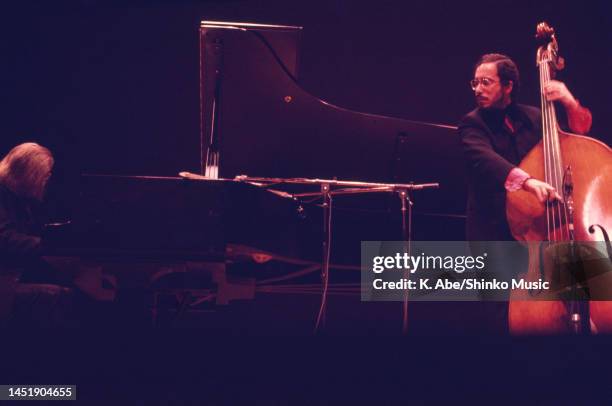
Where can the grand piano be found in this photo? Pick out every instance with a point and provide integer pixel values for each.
(257, 120)
(260, 121)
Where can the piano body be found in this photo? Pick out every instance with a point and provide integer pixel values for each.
(257, 120)
(138, 229)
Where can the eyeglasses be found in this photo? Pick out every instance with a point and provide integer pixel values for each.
(485, 82)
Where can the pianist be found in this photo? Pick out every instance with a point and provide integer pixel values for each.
(24, 173)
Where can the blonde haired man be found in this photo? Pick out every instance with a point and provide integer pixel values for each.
(24, 174)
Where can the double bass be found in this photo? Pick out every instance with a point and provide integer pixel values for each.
(580, 170)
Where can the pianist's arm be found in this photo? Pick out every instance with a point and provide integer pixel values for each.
(17, 238)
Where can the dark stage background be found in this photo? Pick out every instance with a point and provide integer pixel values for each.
(112, 86)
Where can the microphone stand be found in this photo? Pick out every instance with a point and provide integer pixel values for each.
(407, 247)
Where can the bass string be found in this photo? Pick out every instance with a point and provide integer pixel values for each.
(556, 160)
(561, 209)
(556, 216)
(545, 143)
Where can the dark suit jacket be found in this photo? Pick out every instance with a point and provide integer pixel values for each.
(491, 151)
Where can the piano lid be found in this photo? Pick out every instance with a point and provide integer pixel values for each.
(263, 123)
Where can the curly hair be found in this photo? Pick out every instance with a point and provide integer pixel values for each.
(26, 169)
